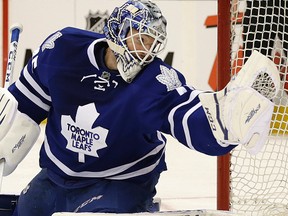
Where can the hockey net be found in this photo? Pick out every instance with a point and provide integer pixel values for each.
(258, 185)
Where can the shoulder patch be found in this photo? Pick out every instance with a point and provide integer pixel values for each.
(49, 43)
(169, 78)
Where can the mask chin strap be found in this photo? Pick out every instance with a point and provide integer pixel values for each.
(127, 66)
(115, 47)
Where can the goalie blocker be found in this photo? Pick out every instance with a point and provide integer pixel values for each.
(242, 111)
(18, 132)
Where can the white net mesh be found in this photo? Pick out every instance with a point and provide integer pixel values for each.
(259, 184)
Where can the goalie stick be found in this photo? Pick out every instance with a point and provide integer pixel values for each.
(15, 30)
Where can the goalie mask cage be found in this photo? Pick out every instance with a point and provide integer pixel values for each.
(255, 185)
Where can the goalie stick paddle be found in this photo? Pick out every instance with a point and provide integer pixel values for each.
(15, 31)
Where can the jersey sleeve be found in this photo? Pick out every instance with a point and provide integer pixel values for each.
(179, 112)
(59, 52)
(186, 121)
(31, 88)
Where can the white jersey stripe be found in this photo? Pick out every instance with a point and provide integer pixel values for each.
(32, 82)
(143, 170)
(106, 173)
(138, 172)
(31, 96)
(90, 52)
(186, 125)
(193, 95)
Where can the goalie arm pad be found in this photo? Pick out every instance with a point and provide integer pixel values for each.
(18, 141)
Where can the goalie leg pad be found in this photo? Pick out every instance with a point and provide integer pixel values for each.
(8, 108)
(18, 141)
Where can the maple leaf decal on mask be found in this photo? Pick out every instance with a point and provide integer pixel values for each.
(81, 137)
(169, 78)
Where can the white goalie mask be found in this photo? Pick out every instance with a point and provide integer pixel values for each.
(136, 22)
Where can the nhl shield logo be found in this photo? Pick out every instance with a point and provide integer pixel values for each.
(96, 21)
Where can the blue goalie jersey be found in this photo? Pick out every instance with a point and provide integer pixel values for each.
(99, 126)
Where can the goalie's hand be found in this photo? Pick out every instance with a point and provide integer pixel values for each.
(241, 113)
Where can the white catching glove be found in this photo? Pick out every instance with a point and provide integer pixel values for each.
(18, 132)
(242, 111)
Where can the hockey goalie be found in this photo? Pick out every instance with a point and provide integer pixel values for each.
(109, 103)
(238, 114)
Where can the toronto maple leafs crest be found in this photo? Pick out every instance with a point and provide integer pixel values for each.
(169, 78)
(81, 137)
(96, 21)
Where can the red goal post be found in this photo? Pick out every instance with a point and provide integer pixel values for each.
(255, 185)
(5, 36)
(223, 77)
